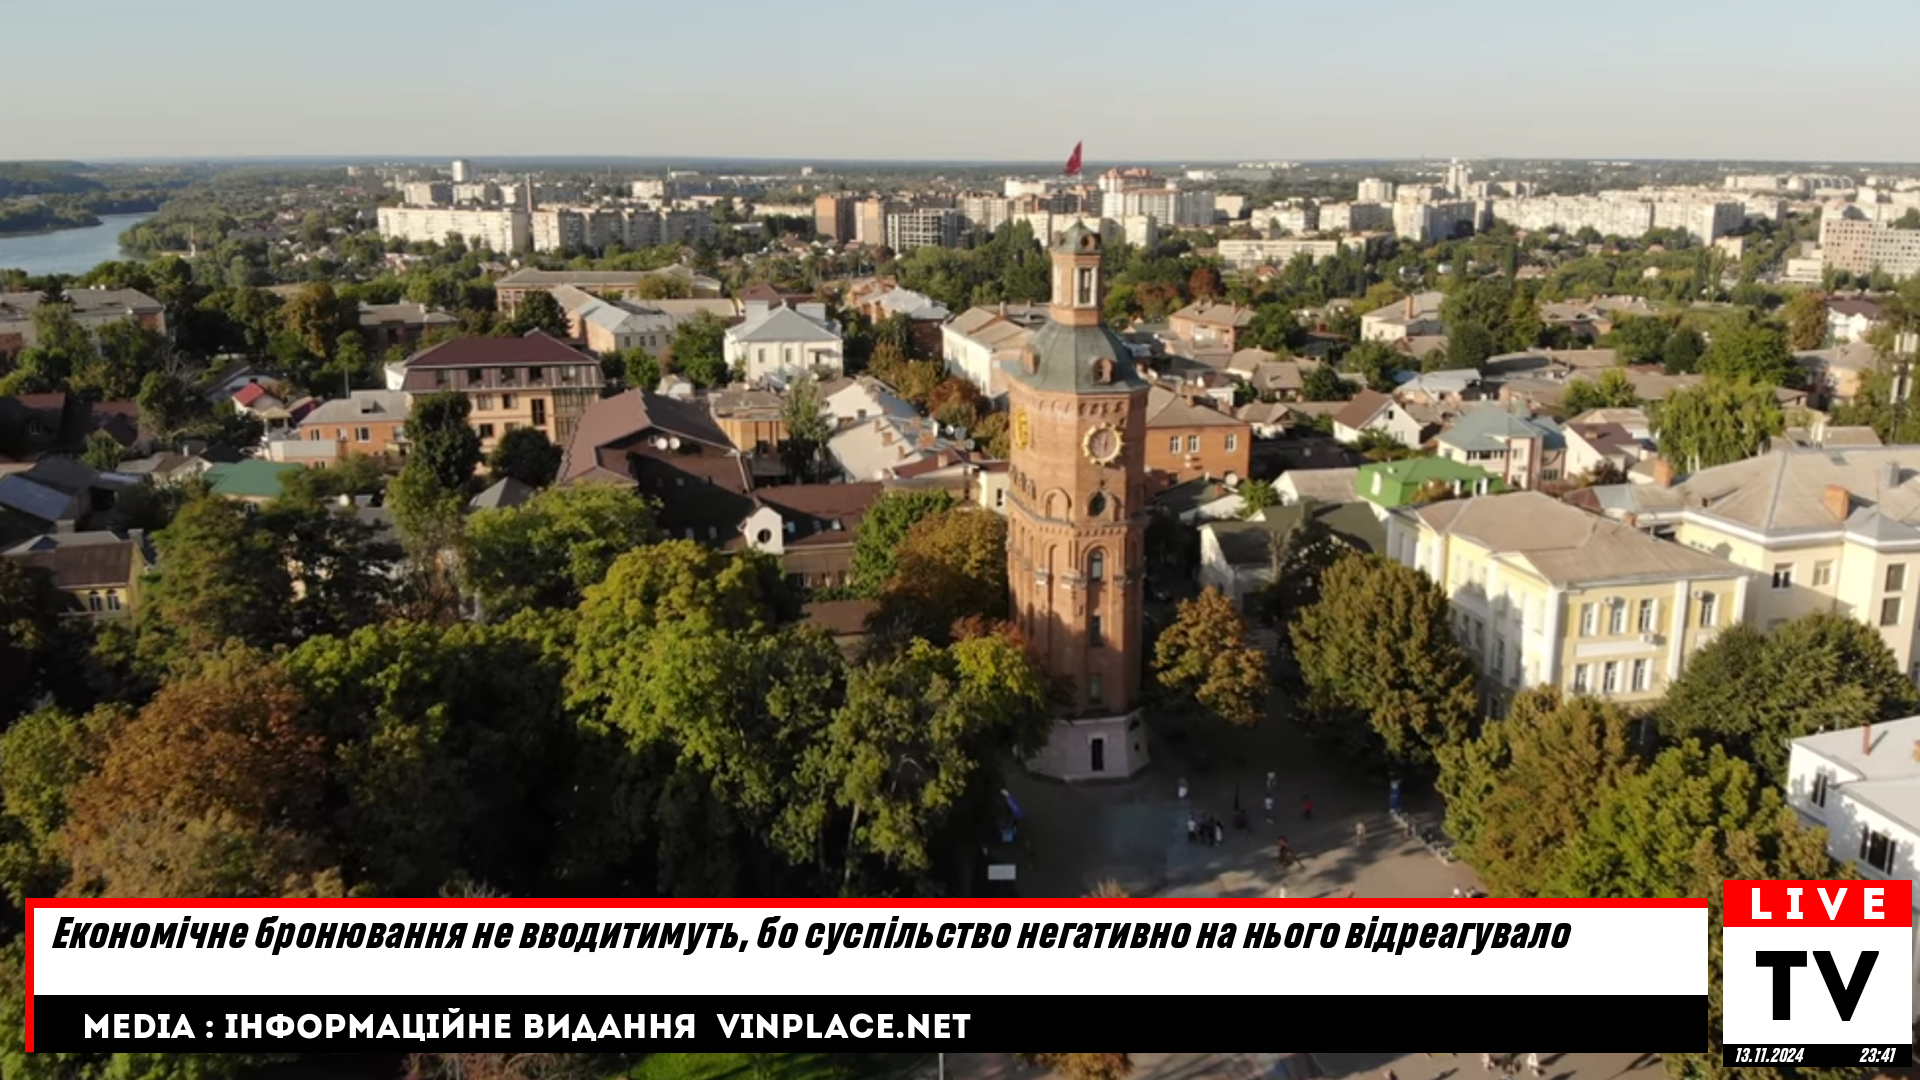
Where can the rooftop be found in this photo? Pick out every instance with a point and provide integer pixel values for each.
(536, 348)
(253, 478)
(1166, 409)
(1886, 758)
(361, 407)
(624, 416)
(1250, 542)
(1564, 545)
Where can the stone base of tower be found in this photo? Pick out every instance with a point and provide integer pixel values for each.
(1095, 748)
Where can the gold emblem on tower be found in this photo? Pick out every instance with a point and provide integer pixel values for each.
(1022, 430)
(1102, 444)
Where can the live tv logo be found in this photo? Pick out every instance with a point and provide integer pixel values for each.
(1817, 963)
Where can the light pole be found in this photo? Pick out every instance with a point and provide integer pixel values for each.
(943, 1067)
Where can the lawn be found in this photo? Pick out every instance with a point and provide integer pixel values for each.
(768, 1067)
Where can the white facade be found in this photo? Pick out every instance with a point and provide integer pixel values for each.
(1863, 787)
(1251, 254)
(1375, 191)
(1424, 221)
(502, 231)
(779, 344)
(1180, 209)
(462, 172)
(1862, 247)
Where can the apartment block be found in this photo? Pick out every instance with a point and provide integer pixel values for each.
(1180, 209)
(427, 193)
(502, 231)
(833, 217)
(1375, 191)
(512, 382)
(926, 227)
(1862, 247)
(1355, 217)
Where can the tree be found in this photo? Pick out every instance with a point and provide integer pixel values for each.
(31, 606)
(1751, 692)
(338, 563)
(664, 287)
(1469, 344)
(1322, 383)
(1204, 656)
(1638, 339)
(1716, 423)
(527, 455)
(538, 310)
(1523, 791)
(212, 790)
(951, 565)
(1301, 557)
(42, 756)
(1083, 1066)
(222, 577)
(1612, 390)
(877, 540)
(548, 552)
(1380, 661)
(1748, 350)
(1203, 283)
(1806, 318)
(445, 446)
(317, 317)
(1255, 496)
(805, 415)
(103, 452)
(699, 349)
(1681, 353)
(916, 734)
(166, 404)
(957, 403)
(639, 369)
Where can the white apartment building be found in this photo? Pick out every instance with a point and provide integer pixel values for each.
(1626, 214)
(1862, 785)
(1375, 191)
(974, 343)
(1423, 221)
(926, 227)
(1861, 247)
(1180, 209)
(476, 194)
(502, 231)
(986, 212)
(1253, 254)
(427, 193)
(1355, 217)
(1706, 220)
(461, 170)
(1298, 219)
(777, 343)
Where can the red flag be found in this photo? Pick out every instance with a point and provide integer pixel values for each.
(1073, 163)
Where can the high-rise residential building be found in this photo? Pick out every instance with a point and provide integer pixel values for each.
(870, 221)
(427, 193)
(461, 171)
(833, 217)
(1424, 221)
(1355, 217)
(502, 231)
(1863, 247)
(985, 213)
(1168, 206)
(1375, 191)
(1076, 520)
(925, 227)
(1459, 179)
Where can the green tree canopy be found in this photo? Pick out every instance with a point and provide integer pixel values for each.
(1204, 657)
(223, 576)
(699, 349)
(1716, 423)
(877, 540)
(526, 455)
(1749, 350)
(445, 446)
(548, 552)
(1381, 665)
(1612, 390)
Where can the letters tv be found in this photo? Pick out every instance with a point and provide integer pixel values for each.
(1818, 962)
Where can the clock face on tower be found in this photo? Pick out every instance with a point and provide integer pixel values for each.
(1102, 444)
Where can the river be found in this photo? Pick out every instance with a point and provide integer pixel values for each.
(69, 251)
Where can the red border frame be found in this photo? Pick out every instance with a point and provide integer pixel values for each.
(1078, 902)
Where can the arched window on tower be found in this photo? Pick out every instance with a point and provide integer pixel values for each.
(1097, 566)
(1103, 371)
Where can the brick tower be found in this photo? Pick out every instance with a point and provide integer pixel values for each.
(1077, 519)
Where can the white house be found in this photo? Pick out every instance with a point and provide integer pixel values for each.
(1849, 319)
(778, 343)
(972, 344)
(1370, 410)
(1862, 785)
(863, 397)
(1416, 316)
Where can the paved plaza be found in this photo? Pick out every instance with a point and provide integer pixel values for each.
(1135, 832)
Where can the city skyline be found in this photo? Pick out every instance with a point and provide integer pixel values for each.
(708, 84)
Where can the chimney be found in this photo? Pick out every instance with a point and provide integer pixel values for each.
(1866, 741)
(1838, 501)
(1892, 478)
(1410, 311)
(1663, 472)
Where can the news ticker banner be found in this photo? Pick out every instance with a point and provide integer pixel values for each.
(398, 975)
(1817, 973)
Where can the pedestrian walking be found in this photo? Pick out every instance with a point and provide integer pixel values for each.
(1269, 806)
(1457, 893)
(1359, 830)
(1272, 780)
(1533, 1065)
(1306, 808)
(1183, 789)
(1486, 1062)
(1390, 1076)
(1193, 834)
(1219, 833)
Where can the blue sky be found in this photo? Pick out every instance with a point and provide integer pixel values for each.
(1003, 80)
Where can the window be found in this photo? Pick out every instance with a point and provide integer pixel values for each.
(1097, 566)
(1499, 656)
(1783, 575)
(1617, 616)
(1819, 793)
(1589, 620)
(474, 378)
(1083, 291)
(1610, 677)
(1823, 572)
(1890, 611)
(1519, 669)
(1173, 444)
(1642, 675)
(506, 401)
(1709, 613)
(1876, 850)
(94, 602)
(482, 402)
(1233, 441)
(1896, 577)
(1193, 444)
(1579, 678)
(1649, 612)
(361, 434)
(1095, 692)
(1479, 635)
(113, 601)
(486, 431)
(1093, 632)
(315, 435)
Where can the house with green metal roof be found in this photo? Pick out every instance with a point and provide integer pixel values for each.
(253, 481)
(1390, 485)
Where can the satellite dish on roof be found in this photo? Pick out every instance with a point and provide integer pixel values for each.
(659, 443)
(674, 443)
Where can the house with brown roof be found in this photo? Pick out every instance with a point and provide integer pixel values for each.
(1370, 410)
(1209, 324)
(846, 620)
(509, 291)
(99, 571)
(1590, 445)
(1850, 318)
(810, 528)
(974, 342)
(1189, 438)
(372, 422)
(91, 308)
(512, 382)
(403, 324)
(670, 450)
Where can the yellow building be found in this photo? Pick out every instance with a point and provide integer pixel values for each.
(100, 571)
(1824, 530)
(1545, 594)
